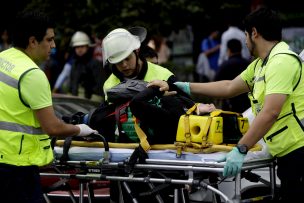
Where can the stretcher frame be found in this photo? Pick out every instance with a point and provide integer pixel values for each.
(101, 170)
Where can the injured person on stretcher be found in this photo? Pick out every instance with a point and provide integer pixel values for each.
(177, 160)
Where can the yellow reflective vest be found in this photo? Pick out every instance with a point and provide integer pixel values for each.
(287, 133)
(22, 141)
(154, 72)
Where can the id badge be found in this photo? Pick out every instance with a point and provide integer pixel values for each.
(256, 107)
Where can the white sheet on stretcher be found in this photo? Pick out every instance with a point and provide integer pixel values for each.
(117, 154)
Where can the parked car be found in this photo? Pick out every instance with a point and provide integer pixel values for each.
(65, 105)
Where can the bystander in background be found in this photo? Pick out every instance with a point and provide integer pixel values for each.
(228, 70)
(5, 40)
(210, 46)
(207, 62)
(159, 44)
(233, 32)
(85, 74)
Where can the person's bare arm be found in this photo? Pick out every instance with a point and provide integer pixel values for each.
(52, 126)
(264, 120)
(220, 89)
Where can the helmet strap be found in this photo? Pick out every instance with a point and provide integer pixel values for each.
(137, 66)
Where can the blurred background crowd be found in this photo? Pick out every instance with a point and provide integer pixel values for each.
(197, 40)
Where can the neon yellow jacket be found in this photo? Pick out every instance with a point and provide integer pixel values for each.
(280, 73)
(22, 141)
(154, 72)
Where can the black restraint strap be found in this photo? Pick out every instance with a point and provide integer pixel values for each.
(65, 152)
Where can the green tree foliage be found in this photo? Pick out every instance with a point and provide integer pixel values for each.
(160, 16)
(157, 15)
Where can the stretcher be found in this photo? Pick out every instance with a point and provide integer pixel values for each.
(191, 173)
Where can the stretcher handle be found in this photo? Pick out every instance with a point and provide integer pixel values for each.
(106, 154)
(105, 143)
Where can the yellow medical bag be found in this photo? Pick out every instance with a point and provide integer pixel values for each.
(217, 128)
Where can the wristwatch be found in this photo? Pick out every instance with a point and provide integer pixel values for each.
(243, 149)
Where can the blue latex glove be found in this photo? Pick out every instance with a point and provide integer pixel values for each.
(234, 161)
(184, 86)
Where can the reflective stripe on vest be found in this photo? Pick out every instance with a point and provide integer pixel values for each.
(14, 127)
(8, 80)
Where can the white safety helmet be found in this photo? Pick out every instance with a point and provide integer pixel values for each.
(118, 45)
(80, 38)
(139, 31)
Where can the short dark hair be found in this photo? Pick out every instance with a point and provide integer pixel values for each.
(266, 22)
(28, 24)
(147, 52)
(234, 45)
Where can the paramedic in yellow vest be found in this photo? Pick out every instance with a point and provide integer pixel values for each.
(274, 82)
(121, 49)
(27, 118)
